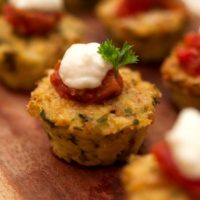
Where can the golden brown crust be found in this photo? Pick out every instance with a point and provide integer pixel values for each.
(143, 179)
(135, 102)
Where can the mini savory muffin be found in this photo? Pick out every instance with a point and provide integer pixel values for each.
(181, 72)
(34, 36)
(153, 26)
(172, 170)
(94, 113)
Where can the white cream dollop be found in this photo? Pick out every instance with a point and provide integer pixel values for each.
(40, 5)
(193, 6)
(82, 67)
(184, 143)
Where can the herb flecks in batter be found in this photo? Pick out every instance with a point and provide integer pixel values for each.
(84, 118)
(103, 119)
(136, 122)
(72, 138)
(134, 82)
(155, 101)
(128, 112)
(116, 56)
(83, 156)
(44, 117)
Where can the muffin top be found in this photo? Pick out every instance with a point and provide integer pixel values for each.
(173, 72)
(182, 67)
(133, 108)
(155, 19)
(87, 91)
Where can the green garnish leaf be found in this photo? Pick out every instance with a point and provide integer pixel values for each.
(116, 56)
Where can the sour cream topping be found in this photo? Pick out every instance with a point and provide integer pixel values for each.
(184, 142)
(40, 5)
(82, 67)
(193, 5)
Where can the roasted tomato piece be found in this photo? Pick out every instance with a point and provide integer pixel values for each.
(192, 40)
(165, 159)
(112, 85)
(189, 59)
(28, 22)
(131, 7)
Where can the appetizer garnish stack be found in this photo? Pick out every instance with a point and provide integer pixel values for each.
(153, 26)
(172, 170)
(35, 34)
(94, 112)
(33, 17)
(181, 72)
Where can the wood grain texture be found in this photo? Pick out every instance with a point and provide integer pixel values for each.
(28, 169)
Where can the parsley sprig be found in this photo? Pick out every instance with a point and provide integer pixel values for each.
(116, 56)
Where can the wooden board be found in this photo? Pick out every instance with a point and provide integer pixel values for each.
(28, 169)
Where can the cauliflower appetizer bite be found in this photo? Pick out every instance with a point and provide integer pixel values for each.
(94, 112)
(153, 26)
(181, 72)
(172, 170)
(34, 36)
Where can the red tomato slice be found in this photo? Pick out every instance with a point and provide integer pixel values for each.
(30, 22)
(189, 55)
(192, 40)
(190, 60)
(111, 86)
(131, 7)
(165, 159)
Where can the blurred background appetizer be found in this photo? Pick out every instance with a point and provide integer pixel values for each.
(181, 72)
(172, 170)
(153, 26)
(94, 112)
(33, 37)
